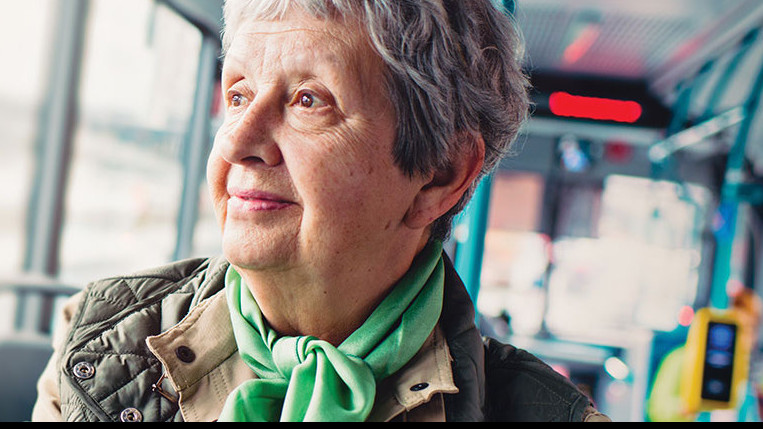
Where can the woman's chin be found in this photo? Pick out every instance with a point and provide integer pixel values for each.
(252, 251)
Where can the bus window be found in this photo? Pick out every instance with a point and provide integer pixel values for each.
(22, 78)
(137, 91)
(206, 235)
(641, 270)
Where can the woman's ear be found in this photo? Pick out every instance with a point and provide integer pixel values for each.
(445, 188)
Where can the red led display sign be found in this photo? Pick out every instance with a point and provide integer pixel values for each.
(600, 109)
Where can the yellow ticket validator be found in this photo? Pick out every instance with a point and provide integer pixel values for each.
(716, 361)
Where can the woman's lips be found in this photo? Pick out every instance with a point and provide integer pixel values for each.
(255, 201)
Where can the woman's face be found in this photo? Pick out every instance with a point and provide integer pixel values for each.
(301, 173)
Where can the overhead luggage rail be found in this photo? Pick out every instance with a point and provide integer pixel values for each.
(661, 150)
(709, 123)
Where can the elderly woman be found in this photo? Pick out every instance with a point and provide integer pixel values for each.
(354, 132)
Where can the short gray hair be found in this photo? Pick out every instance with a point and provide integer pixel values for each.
(453, 71)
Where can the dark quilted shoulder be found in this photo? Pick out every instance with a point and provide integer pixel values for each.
(523, 388)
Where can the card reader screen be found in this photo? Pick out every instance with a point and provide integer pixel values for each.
(719, 361)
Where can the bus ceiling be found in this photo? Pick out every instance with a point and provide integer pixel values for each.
(586, 55)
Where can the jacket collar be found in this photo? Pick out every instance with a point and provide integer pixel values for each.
(202, 385)
(467, 350)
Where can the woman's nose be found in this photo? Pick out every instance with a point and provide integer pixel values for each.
(248, 138)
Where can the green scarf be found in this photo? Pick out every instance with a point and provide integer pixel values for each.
(307, 379)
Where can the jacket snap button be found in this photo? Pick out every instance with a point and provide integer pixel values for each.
(131, 415)
(419, 387)
(84, 370)
(185, 354)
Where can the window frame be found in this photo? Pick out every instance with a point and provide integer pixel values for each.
(57, 127)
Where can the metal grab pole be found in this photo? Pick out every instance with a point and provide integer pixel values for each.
(730, 200)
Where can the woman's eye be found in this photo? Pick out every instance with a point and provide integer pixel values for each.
(306, 100)
(237, 100)
(309, 100)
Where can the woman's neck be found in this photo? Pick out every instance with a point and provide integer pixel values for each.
(329, 307)
(328, 312)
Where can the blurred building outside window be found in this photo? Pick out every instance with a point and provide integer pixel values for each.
(137, 92)
(22, 81)
(207, 241)
(25, 32)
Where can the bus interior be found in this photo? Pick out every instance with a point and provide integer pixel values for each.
(633, 201)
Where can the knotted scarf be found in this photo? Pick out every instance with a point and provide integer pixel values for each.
(307, 379)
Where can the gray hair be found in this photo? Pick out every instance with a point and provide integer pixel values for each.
(453, 71)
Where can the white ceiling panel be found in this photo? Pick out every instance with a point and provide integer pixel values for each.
(645, 39)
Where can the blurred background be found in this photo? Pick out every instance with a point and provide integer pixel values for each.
(633, 201)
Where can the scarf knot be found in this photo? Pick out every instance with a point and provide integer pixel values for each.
(288, 352)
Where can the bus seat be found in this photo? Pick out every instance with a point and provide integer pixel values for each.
(24, 359)
(28, 306)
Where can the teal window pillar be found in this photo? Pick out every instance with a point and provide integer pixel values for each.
(470, 228)
(731, 199)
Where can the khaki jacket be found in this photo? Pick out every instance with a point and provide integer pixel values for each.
(187, 368)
